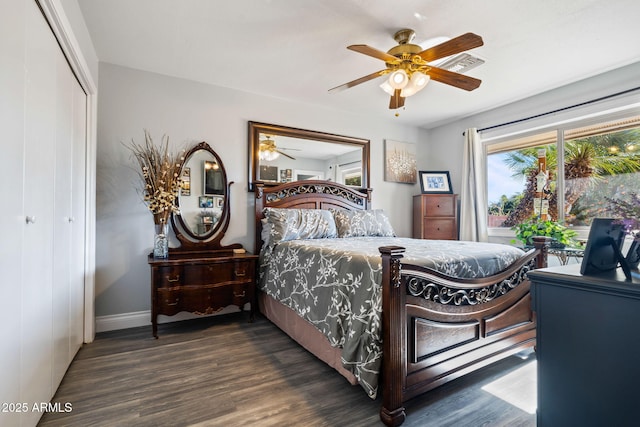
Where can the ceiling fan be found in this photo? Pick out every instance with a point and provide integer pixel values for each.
(269, 151)
(408, 66)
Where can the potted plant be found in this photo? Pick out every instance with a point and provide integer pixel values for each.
(561, 236)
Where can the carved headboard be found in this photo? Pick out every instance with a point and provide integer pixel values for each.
(307, 195)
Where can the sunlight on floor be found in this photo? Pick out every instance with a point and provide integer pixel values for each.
(518, 388)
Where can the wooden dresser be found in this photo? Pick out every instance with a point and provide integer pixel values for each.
(201, 283)
(587, 347)
(435, 216)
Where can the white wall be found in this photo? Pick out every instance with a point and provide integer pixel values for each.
(190, 112)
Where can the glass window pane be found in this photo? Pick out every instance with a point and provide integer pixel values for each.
(599, 166)
(514, 194)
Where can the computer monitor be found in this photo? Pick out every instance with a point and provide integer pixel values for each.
(602, 252)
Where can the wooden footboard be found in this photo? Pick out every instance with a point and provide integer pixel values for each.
(437, 328)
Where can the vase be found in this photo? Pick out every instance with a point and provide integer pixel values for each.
(161, 241)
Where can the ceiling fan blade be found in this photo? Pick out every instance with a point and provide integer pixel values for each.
(357, 81)
(370, 51)
(396, 100)
(459, 44)
(454, 79)
(285, 154)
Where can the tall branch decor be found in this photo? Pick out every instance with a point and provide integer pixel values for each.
(159, 170)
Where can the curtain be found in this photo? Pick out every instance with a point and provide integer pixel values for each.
(473, 203)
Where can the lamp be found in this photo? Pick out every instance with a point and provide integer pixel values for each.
(267, 150)
(417, 82)
(409, 83)
(268, 156)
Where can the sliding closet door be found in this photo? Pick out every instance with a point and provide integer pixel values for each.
(12, 77)
(41, 52)
(62, 219)
(77, 220)
(43, 122)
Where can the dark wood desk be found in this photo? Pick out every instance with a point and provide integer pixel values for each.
(588, 347)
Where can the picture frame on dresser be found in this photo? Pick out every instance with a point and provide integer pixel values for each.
(435, 182)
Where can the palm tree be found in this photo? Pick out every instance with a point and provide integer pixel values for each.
(587, 161)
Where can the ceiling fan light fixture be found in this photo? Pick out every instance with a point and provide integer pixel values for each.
(268, 156)
(398, 79)
(385, 86)
(417, 82)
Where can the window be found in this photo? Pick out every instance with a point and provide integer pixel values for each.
(586, 165)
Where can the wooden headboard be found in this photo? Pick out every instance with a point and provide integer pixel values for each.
(310, 194)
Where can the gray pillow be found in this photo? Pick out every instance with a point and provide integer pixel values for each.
(362, 223)
(280, 225)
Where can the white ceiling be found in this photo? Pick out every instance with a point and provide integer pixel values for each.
(296, 50)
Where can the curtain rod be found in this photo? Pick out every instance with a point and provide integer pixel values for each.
(602, 98)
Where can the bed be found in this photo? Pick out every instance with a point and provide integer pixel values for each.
(398, 316)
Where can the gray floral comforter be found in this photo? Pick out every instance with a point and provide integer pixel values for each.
(335, 285)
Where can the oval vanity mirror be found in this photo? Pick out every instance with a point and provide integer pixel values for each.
(203, 198)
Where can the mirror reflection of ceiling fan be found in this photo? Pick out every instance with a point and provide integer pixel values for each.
(409, 68)
(269, 151)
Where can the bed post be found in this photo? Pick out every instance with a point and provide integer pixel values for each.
(542, 244)
(393, 337)
(259, 206)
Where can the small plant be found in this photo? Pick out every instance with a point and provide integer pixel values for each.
(561, 235)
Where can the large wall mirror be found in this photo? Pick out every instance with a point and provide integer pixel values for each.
(279, 154)
(203, 199)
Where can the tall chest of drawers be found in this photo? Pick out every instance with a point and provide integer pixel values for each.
(435, 216)
(201, 283)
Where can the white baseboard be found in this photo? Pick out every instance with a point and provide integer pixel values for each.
(123, 321)
(136, 319)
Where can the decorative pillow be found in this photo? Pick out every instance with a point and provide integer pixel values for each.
(362, 223)
(280, 225)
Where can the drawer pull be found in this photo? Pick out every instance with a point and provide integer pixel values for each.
(169, 279)
(239, 295)
(171, 303)
(241, 273)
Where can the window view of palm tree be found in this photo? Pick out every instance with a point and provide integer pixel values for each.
(597, 162)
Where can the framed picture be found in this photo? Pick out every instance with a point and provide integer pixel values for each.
(268, 173)
(435, 182)
(185, 187)
(400, 162)
(285, 175)
(218, 201)
(205, 202)
(602, 252)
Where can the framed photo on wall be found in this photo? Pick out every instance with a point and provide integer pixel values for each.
(205, 202)
(435, 182)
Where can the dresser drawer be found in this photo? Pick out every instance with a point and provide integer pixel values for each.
(204, 274)
(169, 276)
(168, 300)
(439, 205)
(440, 229)
(212, 298)
(244, 271)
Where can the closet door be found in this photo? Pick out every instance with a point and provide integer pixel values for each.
(12, 78)
(43, 122)
(62, 220)
(41, 53)
(77, 221)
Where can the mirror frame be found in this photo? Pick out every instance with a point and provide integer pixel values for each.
(256, 128)
(210, 240)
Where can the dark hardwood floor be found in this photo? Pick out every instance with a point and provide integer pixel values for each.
(223, 371)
